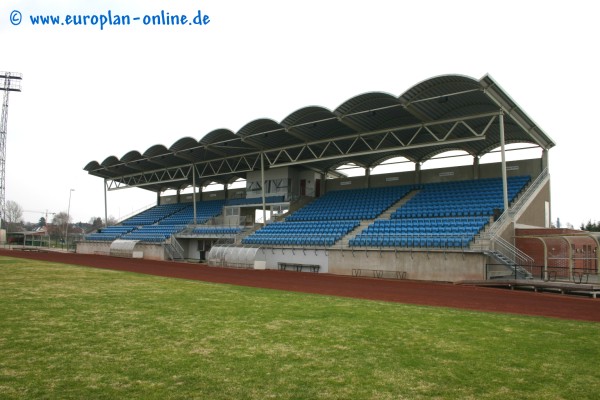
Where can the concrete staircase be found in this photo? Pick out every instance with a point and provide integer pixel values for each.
(343, 242)
(387, 214)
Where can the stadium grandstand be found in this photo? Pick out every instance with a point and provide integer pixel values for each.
(298, 209)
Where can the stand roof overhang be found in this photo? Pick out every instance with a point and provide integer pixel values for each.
(450, 112)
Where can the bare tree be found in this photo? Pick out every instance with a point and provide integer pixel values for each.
(59, 225)
(98, 222)
(14, 216)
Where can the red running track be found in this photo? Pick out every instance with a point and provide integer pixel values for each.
(401, 291)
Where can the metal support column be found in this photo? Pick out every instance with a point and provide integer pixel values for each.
(571, 257)
(546, 166)
(546, 277)
(418, 173)
(105, 203)
(503, 153)
(194, 192)
(262, 185)
(476, 167)
(545, 159)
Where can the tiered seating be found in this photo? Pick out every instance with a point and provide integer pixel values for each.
(461, 198)
(350, 204)
(217, 230)
(254, 200)
(109, 233)
(160, 222)
(153, 233)
(327, 219)
(204, 211)
(442, 215)
(421, 232)
(306, 233)
(154, 214)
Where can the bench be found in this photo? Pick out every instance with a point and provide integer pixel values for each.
(299, 267)
(380, 273)
(579, 277)
(36, 249)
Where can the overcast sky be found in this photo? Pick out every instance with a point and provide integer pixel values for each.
(90, 93)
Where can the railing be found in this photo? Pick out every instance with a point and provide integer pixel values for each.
(450, 242)
(549, 273)
(509, 215)
(174, 249)
(518, 257)
(442, 241)
(500, 245)
(224, 241)
(133, 213)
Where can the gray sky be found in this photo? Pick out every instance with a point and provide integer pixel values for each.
(90, 93)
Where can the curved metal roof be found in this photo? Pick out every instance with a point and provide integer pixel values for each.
(450, 112)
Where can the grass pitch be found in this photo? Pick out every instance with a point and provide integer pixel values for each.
(73, 332)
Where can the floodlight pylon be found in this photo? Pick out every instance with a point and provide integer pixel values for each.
(9, 82)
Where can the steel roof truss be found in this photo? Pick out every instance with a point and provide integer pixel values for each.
(312, 152)
(162, 176)
(484, 131)
(385, 150)
(244, 160)
(383, 139)
(414, 136)
(393, 134)
(352, 145)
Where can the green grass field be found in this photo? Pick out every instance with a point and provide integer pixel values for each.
(79, 333)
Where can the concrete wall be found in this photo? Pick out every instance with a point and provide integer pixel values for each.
(191, 249)
(393, 179)
(189, 197)
(203, 196)
(275, 256)
(355, 182)
(430, 266)
(215, 195)
(532, 167)
(509, 233)
(276, 182)
(151, 252)
(535, 213)
(239, 193)
(168, 199)
(93, 248)
(310, 178)
(437, 175)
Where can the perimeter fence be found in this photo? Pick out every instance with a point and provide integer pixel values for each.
(545, 273)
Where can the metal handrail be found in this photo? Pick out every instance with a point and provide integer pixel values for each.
(509, 214)
(174, 248)
(500, 245)
(136, 212)
(518, 257)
